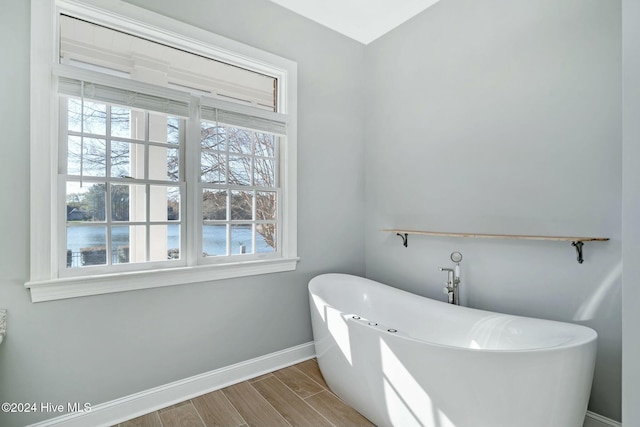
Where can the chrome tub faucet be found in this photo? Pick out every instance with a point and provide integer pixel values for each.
(453, 279)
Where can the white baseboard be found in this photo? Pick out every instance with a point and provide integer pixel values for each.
(594, 420)
(135, 405)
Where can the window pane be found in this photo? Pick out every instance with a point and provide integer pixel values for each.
(128, 159)
(86, 156)
(214, 205)
(120, 159)
(159, 241)
(164, 203)
(165, 242)
(86, 246)
(265, 238)
(74, 153)
(86, 202)
(173, 165)
(214, 240)
(128, 202)
(121, 122)
(266, 205)
(128, 244)
(212, 137)
(94, 157)
(157, 127)
(239, 140)
(241, 239)
(163, 128)
(95, 118)
(164, 164)
(265, 144)
(173, 241)
(264, 173)
(239, 170)
(173, 130)
(139, 125)
(74, 115)
(213, 167)
(242, 205)
(127, 123)
(173, 204)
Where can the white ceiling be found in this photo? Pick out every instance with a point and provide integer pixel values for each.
(362, 20)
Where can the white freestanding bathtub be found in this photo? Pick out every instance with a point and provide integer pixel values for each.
(405, 360)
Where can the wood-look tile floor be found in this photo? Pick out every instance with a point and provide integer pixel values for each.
(293, 396)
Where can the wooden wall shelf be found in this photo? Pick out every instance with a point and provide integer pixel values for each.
(577, 242)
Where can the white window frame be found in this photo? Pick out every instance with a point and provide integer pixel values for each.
(45, 281)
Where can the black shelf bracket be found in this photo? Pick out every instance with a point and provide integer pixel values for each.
(578, 245)
(405, 239)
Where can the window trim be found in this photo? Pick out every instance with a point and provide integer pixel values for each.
(45, 282)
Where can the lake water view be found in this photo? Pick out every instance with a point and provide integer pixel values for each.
(214, 238)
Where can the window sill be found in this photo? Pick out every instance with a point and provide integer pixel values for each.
(55, 289)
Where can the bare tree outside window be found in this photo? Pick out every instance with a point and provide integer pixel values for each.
(233, 157)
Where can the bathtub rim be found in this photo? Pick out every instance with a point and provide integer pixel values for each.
(585, 335)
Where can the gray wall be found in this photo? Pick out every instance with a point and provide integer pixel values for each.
(631, 212)
(494, 117)
(503, 116)
(95, 349)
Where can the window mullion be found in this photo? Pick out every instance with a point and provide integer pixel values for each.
(107, 141)
(147, 189)
(254, 217)
(229, 190)
(59, 237)
(192, 220)
(108, 223)
(147, 234)
(61, 225)
(108, 185)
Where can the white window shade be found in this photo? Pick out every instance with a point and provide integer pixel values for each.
(246, 117)
(117, 90)
(79, 82)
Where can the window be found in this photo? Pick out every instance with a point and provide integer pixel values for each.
(123, 184)
(167, 158)
(240, 191)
